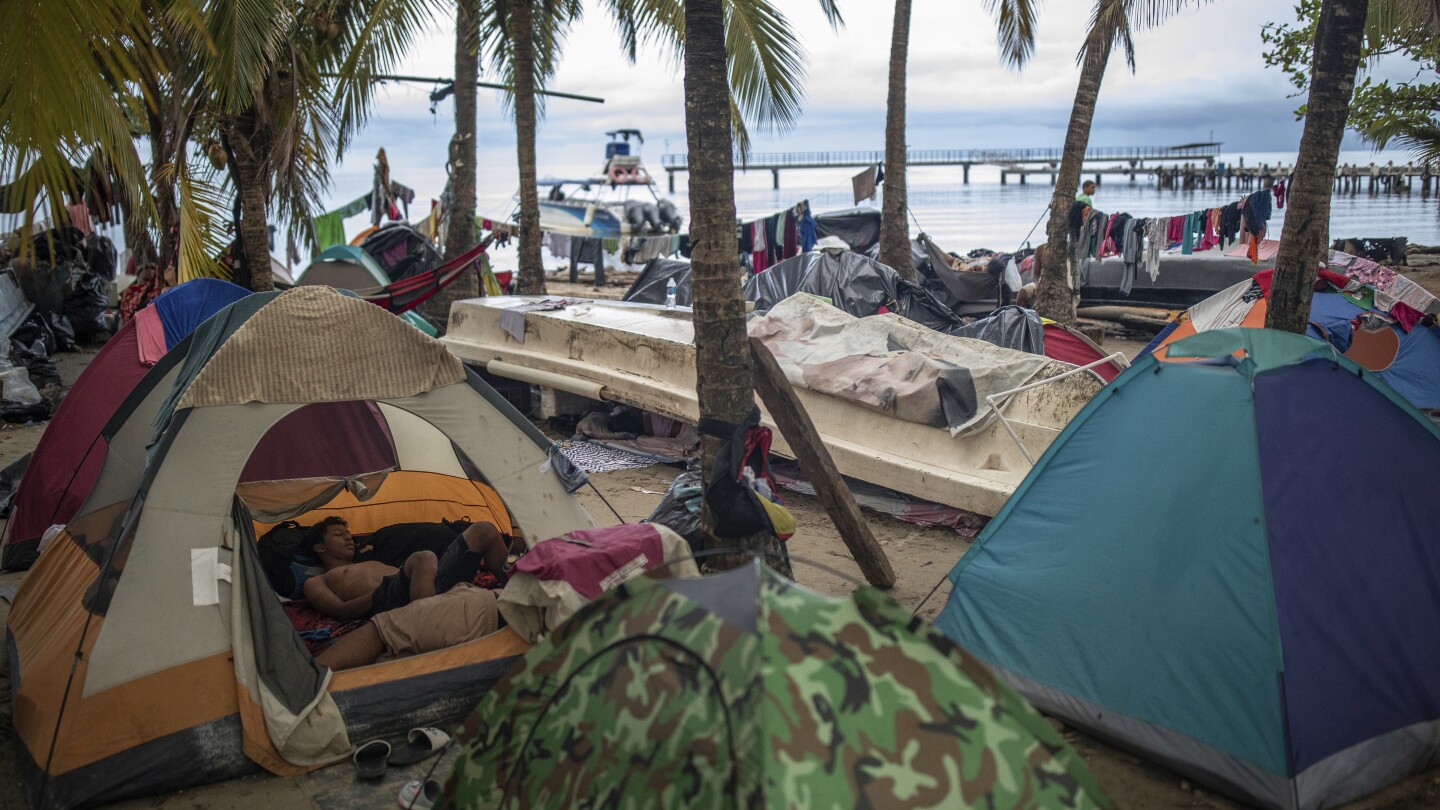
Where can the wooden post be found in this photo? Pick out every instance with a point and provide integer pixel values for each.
(800, 433)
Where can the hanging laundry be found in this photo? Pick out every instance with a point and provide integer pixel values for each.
(1279, 191)
(792, 239)
(805, 229)
(1187, 235)
(1154, 243)
(758, 242)
(864, 185)
(1174, 231)
(329, 230)
(1131, 238)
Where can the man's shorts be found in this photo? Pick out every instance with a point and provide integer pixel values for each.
(458, 564)
(463, 613)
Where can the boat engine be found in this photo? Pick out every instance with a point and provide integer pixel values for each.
(670, 216)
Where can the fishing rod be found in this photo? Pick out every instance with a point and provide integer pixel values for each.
(447, 86)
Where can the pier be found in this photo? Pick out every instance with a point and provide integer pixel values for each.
(1179, 168)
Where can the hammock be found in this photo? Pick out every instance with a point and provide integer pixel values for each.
(404, 295)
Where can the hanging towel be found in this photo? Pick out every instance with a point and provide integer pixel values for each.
(1130, 239)
(1187, 235)
(864, 185)
(329, 230)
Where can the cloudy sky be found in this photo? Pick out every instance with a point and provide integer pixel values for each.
(1200, 77)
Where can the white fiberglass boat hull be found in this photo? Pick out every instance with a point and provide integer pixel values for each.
(644, 356)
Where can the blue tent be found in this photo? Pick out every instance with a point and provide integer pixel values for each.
(1230, 566)
(184, 307)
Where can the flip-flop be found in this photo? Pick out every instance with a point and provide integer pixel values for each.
(419, 795)
(424, 743)
(370, 759)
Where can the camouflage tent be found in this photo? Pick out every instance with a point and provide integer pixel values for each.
(746, 690)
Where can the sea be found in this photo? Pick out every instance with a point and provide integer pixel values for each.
(961, 217)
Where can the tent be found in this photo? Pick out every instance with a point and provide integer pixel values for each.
(346, 267)
(745, 690)
(188, 669)
(1408, 360)
(71, 450)
(401, 251)
(1205, 567)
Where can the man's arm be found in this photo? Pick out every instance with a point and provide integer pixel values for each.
(325, 600)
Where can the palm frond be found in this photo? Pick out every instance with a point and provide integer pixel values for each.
(374, 38)
(202, 212)
(766, 65)
(1117, 20)
(1387, 20)
(65, 74)
(241, 41)
(1014, 29)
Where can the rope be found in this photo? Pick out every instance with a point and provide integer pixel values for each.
(916, 611)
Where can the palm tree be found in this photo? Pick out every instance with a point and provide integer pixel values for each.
(894, 230)
(722, 355)
(1111, 23)
(1334, 62)
(258, 66)
(1016, 21)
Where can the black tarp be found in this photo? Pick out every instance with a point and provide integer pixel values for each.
(857, 227)
(1011, 327)
(854, 283)
(401, 251)
(649, 286)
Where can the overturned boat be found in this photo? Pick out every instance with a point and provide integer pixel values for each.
(947, 419)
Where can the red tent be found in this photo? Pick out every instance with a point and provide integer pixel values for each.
(68, 458)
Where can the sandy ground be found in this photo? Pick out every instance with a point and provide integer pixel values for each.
(920, 556)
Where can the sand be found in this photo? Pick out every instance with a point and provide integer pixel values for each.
(921, 558)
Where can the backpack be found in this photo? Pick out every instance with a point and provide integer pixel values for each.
(743, 497)
(286, 559)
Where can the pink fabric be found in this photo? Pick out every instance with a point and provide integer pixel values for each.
(585, 558)
(1406, 315)
(150, 336)
(1175, 230)
(1268, 249)
(1209, 235)
(1366, 271)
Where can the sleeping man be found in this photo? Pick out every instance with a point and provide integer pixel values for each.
(427, 604)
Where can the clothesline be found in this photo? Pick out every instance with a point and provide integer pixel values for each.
(1140, 240)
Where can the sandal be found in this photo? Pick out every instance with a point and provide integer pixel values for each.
(370, 759)
(419, 795)
(424, 743)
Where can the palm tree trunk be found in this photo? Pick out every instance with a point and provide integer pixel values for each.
(460, 216)
(251, 184)
(1056, 295)
(722, 352)
(894, 231)
(1307, 222)
(522, 41)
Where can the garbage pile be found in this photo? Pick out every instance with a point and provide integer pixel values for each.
(53, 298)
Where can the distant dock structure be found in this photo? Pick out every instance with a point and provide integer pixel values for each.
(1186, 167)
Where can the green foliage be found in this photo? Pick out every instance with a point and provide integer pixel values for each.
(1406, 113)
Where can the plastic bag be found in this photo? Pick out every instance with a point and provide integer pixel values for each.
(36, 360)
(1012, 276)
(679, 509)
(85, 306)
(15, 385)
(62, 330)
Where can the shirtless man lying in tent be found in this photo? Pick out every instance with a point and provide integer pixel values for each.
(427, 604)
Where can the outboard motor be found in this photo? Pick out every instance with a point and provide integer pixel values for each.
(670, 215)
(635, 216)
(652, 218)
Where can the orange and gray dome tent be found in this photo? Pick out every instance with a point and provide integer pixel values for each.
(149, 652)
(1390, 332)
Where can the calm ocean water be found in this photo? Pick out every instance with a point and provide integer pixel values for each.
(986, 214)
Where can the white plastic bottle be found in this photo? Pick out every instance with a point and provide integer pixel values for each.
(670, 294)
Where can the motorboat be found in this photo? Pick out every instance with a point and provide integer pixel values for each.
(619, 200)
(643, 355)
